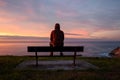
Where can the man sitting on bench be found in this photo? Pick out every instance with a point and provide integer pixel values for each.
(57, 38)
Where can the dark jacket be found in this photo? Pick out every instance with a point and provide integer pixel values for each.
(57, 38)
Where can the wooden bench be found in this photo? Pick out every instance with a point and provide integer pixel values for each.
(74, 49)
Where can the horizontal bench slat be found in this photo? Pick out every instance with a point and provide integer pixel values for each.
(56, 49)
(55, 55)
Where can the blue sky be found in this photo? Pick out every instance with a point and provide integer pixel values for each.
(91, 19)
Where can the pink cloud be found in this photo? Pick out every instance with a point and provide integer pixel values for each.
(8, 17)
(2, 3)
(26, 11)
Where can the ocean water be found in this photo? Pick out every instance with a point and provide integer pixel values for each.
(91, 48)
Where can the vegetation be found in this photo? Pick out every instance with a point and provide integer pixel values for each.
(109, 70)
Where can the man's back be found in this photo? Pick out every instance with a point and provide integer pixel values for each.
(57, 36)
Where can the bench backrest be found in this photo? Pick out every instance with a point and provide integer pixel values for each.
(56, 49)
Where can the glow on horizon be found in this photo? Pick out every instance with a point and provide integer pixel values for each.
(90, 19)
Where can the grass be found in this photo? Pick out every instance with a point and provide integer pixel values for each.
(109, 70)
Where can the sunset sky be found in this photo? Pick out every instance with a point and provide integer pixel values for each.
(91, 19)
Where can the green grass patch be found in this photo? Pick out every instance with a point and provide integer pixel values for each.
(109, 69)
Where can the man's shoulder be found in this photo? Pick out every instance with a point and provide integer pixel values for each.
(61, 31)
(53, 31)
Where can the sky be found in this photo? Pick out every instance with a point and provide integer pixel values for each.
(90, 19)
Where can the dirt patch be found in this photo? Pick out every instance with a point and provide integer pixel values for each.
(56, 65)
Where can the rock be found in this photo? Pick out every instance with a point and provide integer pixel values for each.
(115, 52)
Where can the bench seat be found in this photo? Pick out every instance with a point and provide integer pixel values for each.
(37, 49)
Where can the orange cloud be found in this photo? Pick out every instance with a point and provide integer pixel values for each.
(106, 34)
(15, 24)
(30, 29)
(84, 33)
(73, 27)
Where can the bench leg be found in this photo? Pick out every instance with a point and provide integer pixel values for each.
(36, 58)
(74, 62)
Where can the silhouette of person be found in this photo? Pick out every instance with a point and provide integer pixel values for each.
(57, 38)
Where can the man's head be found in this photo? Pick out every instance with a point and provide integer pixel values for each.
(57, 26)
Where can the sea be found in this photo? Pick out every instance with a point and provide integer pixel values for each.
(92, 48)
